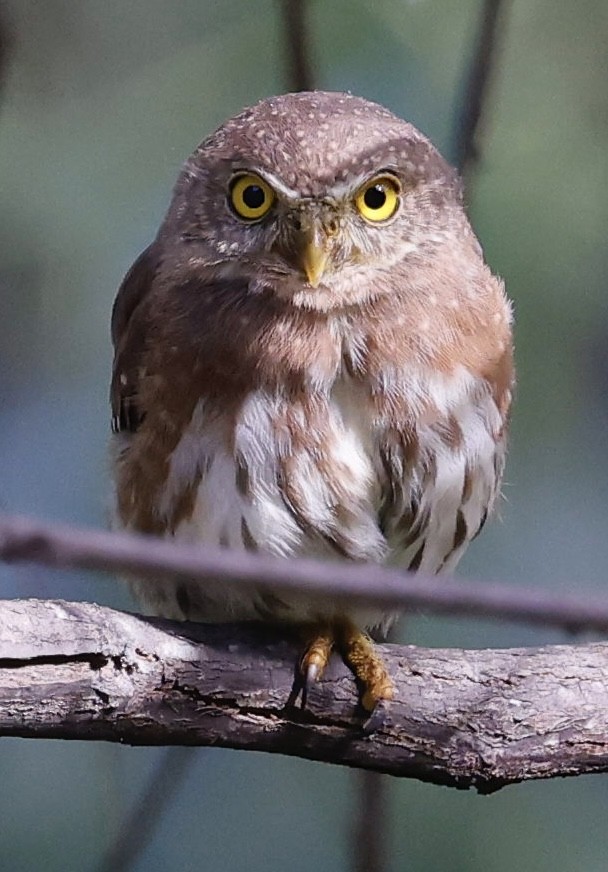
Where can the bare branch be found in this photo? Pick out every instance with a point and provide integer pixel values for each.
(5, 44)
(371, 833)
(146, 812)
(470, 117)
(297, 45)
(461, 718)
(26, 540)
(371, 836)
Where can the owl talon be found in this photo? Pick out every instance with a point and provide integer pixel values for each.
(378, 718)
(310, 677)
(314, 661)
(313, 673)
(367, 666)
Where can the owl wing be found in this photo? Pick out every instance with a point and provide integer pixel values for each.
(129, 337)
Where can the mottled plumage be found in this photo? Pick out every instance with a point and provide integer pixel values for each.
(312, 381)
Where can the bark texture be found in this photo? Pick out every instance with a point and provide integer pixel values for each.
(478, 719)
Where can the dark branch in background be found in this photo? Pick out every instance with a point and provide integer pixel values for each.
(372, 827)
(469, 120)
(371, 835)
(5, 43)
(58, 545)
(479, 719)
(147, 811)
(297, 47)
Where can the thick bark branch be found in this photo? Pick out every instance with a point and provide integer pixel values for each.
(461, 718)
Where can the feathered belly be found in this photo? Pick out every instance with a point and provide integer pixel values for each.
(326, 479)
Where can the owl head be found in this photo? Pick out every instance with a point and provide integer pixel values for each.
(317, 196)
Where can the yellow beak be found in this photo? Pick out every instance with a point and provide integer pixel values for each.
(313, 247)
(314, 258)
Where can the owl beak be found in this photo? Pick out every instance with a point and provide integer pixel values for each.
(314, 261)
(314, 251)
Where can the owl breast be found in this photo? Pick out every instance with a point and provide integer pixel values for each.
(335, 474)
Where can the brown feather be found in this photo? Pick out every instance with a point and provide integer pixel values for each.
(363, 418)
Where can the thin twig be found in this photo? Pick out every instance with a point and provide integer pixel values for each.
(26, 540)
(297, 45)
(466, 147)
(145, 814)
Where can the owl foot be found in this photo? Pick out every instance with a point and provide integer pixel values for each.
(360, 655)
(315, 659)
(367, 665)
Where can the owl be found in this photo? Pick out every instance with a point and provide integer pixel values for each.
(311, 358)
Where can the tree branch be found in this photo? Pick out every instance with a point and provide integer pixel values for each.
(466, 148)
(297, 45)
(143, 817)
(26, 540)
(463, 718)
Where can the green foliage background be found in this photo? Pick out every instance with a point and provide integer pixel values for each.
(101, 103)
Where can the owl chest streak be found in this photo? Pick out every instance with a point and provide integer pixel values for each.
(316, 483)
(294, 481)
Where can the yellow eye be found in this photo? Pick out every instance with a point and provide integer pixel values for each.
(378, 199)
(251, 197)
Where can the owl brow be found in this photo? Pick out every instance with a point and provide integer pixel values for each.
(343, 189)
(275, 182)
(338, 191)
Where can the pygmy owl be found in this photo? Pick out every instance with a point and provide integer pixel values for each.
(311, 358)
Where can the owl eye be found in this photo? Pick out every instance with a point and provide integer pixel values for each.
(378, 199)
(250, 196)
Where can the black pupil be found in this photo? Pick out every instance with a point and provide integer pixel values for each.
(375, 197)
(253, 196)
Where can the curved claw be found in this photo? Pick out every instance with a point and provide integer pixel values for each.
(313, 673)
(314, 661)
(378, 718)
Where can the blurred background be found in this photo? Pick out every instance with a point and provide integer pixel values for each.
(99, 105)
